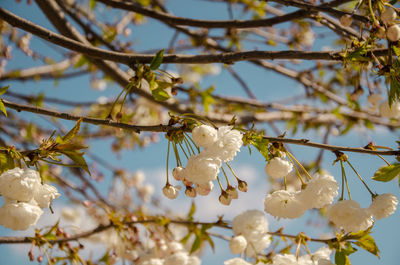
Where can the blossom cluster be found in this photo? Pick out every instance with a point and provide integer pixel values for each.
(349, 216)
(250, 229)
(391, 112)
(24, 198)
(202, 169)
(320, 191)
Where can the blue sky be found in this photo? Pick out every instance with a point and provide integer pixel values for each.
(267, 86)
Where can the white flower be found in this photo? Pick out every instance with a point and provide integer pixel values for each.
(152, 262)
(389, 15)
(237, 244)
(201, 169)
(175, 247)
(18, 184)
(349, 216)
(146, 192)
(227, 145)
(45, 194)
(250, 223)
(98, 84)
(383, 205)
(138, 178)
(278, 167)
(179, 258)
(19, 216)
(177, 173)
(193, 260)
(236, 261)
(204, 135)
(257, 245)
(284, 259)
(284, 204)
(390, 112)
(320, 191)
(205, 188)
(308, 38)
(324, 262)
(393, 33)
(346, 20)
(71, 214)
(171, 192)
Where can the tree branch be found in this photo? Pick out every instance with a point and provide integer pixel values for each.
(131, 59)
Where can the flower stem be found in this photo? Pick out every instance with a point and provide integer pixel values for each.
(233, 172)
(384, 160)
(297, 172)
(226, 177)
(169, 142)
(365, 184)
(301, 166)
(219, 182)
(345, 179)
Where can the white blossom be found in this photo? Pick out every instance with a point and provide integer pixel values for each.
(19, 184)
(390, 112)
(388, 15)
(145, 192)
(179, 258)
(236, 261)
(202, 169)
(383, 205)
(278, 167)
(175, 246)
(204, 135)
(320, 191)
(152, 261)
(171, 192)
(393, 33)
(250, 224)
(19, 216)
(349, 216)
(98, 84)
(45, 194)
(284, 259)
(257, 245)
(227, 145)
(237, 244)
(193, 260)
(138, 178)
(284, 204)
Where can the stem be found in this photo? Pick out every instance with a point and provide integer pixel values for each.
(384, 159)
(301, 166)
(169, 142)
(365, 184)
(190, 138)
(183, 150)
(188, 145)
(345, 179)
(178, 160)
(297, 171)
(284, 182)
(371, 11)
(233, 172)
(226, 177)
(219, 182)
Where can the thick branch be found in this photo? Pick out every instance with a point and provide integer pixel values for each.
(131, 59)
(166, 128)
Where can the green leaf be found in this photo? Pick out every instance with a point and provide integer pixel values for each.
(92, 4)
(3, 108)
(196, 244)
(81, 62)
(6, 161)
(157, 60)
(73, 132)
(159, 94)
(262, 146)
(191, 211)
(341, 258)
(4, 89)
(387, 173)
(78, 159)
(368, 243)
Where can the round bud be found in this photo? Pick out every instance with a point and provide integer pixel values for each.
(389, 15)
(393, 33)
(346, 20)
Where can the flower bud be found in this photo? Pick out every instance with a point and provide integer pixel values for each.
(177, 173)
(346, 20)
(190, 192)
(242, 185)
(389, 15)
(171, 192)
(232, 192)
(381, 33)
(393, 33)
(204, 189)
(224, 198)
